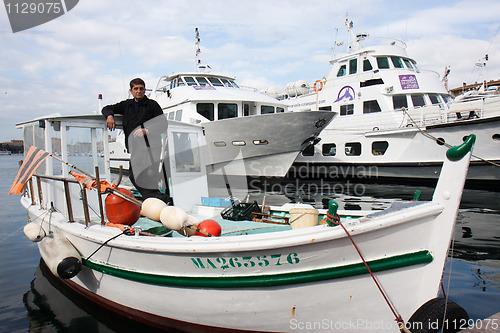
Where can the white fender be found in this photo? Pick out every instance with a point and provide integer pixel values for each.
(173, 218)
(34, 232)
(60, 256)
(152, 207)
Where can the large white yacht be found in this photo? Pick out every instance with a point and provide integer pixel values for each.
(247, 133)
(395, 119)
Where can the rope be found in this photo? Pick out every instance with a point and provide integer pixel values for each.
(449, 282)
(106, 242)
(336, 221)
(447, 145)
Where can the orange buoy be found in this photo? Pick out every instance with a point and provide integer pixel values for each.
(209, 226)
(121, 211)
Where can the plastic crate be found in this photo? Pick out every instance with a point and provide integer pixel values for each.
(240, 211)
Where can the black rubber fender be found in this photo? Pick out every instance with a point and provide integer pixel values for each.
(429, 317)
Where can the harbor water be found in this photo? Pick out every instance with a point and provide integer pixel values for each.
(31, 301)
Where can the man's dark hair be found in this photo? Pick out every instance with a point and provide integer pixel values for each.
(137, 81)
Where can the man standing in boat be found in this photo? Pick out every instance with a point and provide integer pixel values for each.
(144, 146)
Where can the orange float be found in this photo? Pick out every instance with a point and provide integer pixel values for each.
(121, 211)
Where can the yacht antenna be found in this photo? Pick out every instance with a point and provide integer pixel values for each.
(197, 44)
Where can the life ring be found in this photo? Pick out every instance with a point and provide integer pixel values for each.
(316, 89)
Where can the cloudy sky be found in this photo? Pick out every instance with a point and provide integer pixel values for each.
(98, 46)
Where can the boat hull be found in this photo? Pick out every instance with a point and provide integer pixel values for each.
(411, 153)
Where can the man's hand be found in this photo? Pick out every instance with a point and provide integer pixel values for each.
(140, 132)
(110, 123)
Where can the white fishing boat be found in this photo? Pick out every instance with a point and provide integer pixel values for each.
(395, 119)
(353, 273)
(240, 123)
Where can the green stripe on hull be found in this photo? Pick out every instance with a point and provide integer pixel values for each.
(379, 265)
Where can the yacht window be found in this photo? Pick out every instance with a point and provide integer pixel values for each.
(226, 110)
(379, 147)
(353, 66)
(190, 81)
(415, 65)
(408, 63)
(171, 115)
(329, 149)
(219, 144)
(371, 106)
(215, 82)
(226, 83)
(260, 142)
(234, 84)
(206, 110)
(399, 102)
(367, 66)
(346, 109)
(434, 98)
(396, 61)
(246, 109)
(382, 62)
(173, 84)
(308, 151)
(281, 110)
(447, 99)
(202, 81)
(325, 108)
(342, 71)
(179, 82)
(239, 143)
(266, 109)
(178, 115)
(418, 100)
(353, 148)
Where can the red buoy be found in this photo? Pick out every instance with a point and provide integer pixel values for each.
(121, 211)
(209, 226)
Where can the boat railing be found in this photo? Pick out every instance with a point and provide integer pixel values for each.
(482, 107)
(39, 191)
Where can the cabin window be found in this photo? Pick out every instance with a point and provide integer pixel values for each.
(308, 151)
(342, 71)
(367, 66)
(187, 152)
(206, 110)
(173, 84)
(171, 115)
(325, 108)
(353, 66)
(234, 84)
(202, 81)
(408, 63)
(371, 106)
(434, 98)
(219, 144)
(264, 109)
(227, 83)
(397, 62)
(346, 109)
(353, 148)
(227, 110)
(178, 115)
(417, 100)
(329, 149)
(281, 110)
(447, 99)
(382, 62)
(399, 102)
(415, 65)
(379, 147)
(215, 82)
(246, 109)
(239, 143)
(190, 81)
(260, 142)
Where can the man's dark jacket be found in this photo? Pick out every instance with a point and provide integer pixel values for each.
(148, 109)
